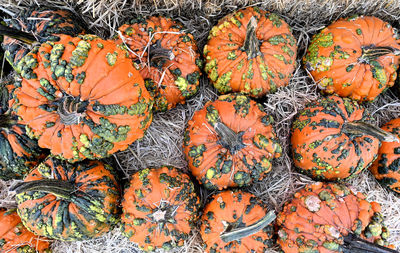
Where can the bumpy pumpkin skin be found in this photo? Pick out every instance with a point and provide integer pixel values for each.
(321, 149)
(89, 211)
(232, 69)
(160, 208)
(15, 238)
(19, 153)
(321, 214)
(217, 165)
(45, 23)
(334, 58)
(386, 166)
(228, 207)
(82, 98)
(171, 77)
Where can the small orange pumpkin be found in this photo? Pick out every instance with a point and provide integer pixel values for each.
(236, 222)
(168, 58)
(354, 57)
(328, 217)
(332, 140)
(230, 142)
(15, 238)
(250, 51)
(160, 207)
(386, 167)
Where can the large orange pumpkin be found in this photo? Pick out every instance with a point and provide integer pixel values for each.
(15, 238)
(332, 140)
(45, 23)
(354, 57)
(160, 208)
(250, 51)
(328, 217)
(386, 167)
(230, 142)
(168, 58)
(82, 97)
(69, 202)
(236, 222)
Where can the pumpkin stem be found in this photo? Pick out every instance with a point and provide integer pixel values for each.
(24, 37)
(362, 128)
(238, 233)
(6, 120)
(159, 55)
(229, 139)
(370, 53)
(71, 110)
(354, 244)
(62, 189)
(251, 44)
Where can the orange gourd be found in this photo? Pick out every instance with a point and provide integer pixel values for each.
(250, 51)
(355, 57)
(160, 208)
(230, 142)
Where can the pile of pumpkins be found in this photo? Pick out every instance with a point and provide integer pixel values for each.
(78, 98)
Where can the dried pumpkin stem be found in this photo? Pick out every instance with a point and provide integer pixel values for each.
(251, 44)
(62, 189)
(71, 110)
(229, 138)
(24, 37)
(371, 53)
(238, 233)
(354, 244)
(159, 55)
(362, 128)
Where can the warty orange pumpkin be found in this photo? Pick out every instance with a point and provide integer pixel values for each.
(354, 57)
(236, 221)
(15, 238)
(230, 142)
(160, 208)
(167, 55)
(328, 217)
(69, 202)
(250, 51)
(332, 139)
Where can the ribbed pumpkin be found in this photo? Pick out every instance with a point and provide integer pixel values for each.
(386, 167)
(168, 58)
(45, 23)
(236, 222)
(250, 51)
(354, 57)
(328, 217)
(69, 202)
(332, 140)
(15, 238)
(230, 142)
(160, 207)
(19, 153)
(82, 97)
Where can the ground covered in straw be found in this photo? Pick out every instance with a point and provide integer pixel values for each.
(162, 143)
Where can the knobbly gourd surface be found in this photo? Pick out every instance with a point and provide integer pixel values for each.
(321, 214)
(15, 238)
(160, 208)
(168, 58)
(90, 210)
(231, 69)
(386, 166)
(319, 146)
(234, 210)
(217, 165)
(335, 57)
(82, 98)
(45, 23)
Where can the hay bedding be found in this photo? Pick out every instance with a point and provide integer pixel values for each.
(162, 143)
